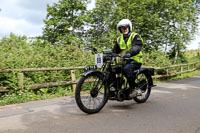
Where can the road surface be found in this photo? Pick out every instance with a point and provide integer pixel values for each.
(173, 107)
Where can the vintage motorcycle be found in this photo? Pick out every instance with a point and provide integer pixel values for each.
(98, 85)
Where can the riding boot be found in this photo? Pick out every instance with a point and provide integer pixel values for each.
(133, 93)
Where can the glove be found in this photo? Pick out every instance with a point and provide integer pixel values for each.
(105, 58)
(128, 55)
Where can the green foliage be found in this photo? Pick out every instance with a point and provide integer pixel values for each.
(102, 28)
(27, 95)
(64, 22)
(193, 55)
(182, 76)
(163, 24)
(17, 52)
(156, 58)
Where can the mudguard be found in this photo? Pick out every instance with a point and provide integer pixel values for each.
(91, 72)
(149, 72)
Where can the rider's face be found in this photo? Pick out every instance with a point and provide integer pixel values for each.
(124, 30)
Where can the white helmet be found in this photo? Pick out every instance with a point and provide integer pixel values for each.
(124, 23)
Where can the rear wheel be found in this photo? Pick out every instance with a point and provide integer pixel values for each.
(91, 94)
(143, 88)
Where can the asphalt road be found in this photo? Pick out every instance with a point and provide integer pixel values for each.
(173, 107)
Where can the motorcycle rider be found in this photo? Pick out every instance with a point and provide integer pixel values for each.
(129, 45)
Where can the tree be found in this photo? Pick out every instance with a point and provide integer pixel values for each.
(145, 16)
(65, 21)
(161, 23)
(100, 28)
(185, 23)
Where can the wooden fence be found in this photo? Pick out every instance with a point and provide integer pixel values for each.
(160, 72)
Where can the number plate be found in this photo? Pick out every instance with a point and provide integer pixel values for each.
(88, 68)
(99, 59)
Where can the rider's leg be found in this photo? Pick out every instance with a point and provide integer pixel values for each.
(129, 73)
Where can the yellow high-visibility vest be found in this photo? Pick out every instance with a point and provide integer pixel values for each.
(125, 47)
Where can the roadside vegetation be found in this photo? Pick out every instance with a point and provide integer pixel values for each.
(20, 52)
(71, 31)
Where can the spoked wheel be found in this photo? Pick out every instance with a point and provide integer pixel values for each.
(91, 95)
(143, 88)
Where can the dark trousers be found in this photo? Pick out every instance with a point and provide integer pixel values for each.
(129, 72)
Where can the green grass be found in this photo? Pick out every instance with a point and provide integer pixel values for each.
(187, 75)
(178, 77)
(29, 95)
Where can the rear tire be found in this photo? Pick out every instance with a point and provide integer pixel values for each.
(91, 94)
(143, 87)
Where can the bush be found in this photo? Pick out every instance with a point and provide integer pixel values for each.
(156, 58)
(19, 52)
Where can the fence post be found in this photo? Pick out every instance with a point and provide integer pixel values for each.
(181, 69)
(21, 80)
(167, 71)
(73, 76)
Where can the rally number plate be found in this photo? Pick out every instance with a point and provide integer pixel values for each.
(88, 68)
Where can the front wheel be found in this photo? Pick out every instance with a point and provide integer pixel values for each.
(91, 94)
(143, 88)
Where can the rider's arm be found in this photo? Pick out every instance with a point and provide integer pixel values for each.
(136, 45)
(116, 49)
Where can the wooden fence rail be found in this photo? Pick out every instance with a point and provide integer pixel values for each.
(177, 69)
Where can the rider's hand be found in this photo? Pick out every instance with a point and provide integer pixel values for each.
(128, 55)
(105, 58)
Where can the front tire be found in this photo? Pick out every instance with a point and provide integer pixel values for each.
(143, 87)
(91, 94)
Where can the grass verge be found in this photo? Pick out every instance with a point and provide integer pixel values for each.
(178, 77)
(30, 95)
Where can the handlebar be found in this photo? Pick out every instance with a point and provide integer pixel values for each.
(117, 55)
